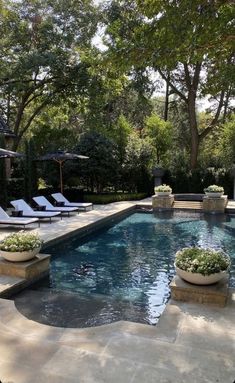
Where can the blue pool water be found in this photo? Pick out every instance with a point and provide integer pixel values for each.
(124, 271)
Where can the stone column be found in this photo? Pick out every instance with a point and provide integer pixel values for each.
(214, 205)
(162, 202)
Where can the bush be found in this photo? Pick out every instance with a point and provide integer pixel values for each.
(108, 198)
(202, 261)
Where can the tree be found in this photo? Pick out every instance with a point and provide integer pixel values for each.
(42, 46)
(160, 134)
(227, 142)
(138, 163)
(120, 133)
(54, 129)
(190, 44)
(30, 170)
(101, 169)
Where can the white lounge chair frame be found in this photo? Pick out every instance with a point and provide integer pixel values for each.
(59, 197)
(42, 201)
(16, 221)
(20, 204)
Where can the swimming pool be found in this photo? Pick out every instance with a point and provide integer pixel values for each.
(122, 272)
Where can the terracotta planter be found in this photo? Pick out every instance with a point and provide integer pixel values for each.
(19, 256)
(214, 195)
(200, 279)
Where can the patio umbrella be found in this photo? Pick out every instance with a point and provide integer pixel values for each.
(9, 154)
(60, 157)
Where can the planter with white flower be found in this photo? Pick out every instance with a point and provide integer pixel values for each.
(19, 247)
(163, 199)
(163, 190)
(201, 266)
(214, 191)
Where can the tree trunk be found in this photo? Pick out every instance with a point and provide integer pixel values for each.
(166, 100)
(193, 130)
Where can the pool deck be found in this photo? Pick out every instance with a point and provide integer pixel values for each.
(191, 343)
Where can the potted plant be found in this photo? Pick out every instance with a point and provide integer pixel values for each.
(20, 246)
(214, 191)
(201, 266)
(163, 190)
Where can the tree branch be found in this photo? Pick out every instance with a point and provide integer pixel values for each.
(187, 77)
(180, 94)
(215, 120)
(196, 76)
(27, 125)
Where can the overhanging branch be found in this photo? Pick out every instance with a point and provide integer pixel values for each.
(215, 120)
(177, 91)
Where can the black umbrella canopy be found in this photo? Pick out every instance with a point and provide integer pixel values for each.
(9, 154)
(61, 156)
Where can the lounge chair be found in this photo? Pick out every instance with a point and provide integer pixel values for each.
(27, 211)
(80, 205)
(42, 201)
(16, 221)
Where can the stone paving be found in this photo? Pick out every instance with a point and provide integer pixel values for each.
(190, 344)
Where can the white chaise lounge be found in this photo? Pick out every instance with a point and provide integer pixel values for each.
(42, 201)
(27, 211)
(58, 197)
(16, 221)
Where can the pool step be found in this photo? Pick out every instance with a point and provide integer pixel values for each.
(191, 205)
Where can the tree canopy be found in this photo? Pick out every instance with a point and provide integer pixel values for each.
(42, 45)
(190, 44)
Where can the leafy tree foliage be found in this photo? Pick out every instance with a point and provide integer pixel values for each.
(120, 133)
(190, 46)
(30, 170)
(101, 169)
(227, 142)
(160, 134)
(56, 128)
(138, 162)
(42, 43)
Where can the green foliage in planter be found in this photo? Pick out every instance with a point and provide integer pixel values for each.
(115, 197)
(163, 188)
(202, 261)
(20, 242)
(214, 189)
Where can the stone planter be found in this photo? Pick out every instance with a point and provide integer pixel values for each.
(200, 279)
(214, 195)
(162, 194)
(19, 256)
